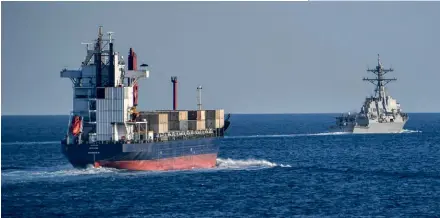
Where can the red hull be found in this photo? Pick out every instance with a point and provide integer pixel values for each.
(176, 163)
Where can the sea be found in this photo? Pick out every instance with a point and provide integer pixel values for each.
(269, 165)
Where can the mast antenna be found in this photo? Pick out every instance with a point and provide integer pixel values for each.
(110, 36)
(379, 81)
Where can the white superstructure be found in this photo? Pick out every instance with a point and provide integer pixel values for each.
(103, 94)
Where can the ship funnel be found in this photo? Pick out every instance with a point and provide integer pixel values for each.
(199, 97)
(174, 81)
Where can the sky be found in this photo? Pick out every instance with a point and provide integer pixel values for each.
(250, 57)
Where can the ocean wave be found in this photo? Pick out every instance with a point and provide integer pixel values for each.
(31, 143)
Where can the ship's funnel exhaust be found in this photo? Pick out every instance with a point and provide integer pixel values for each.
(174, 81)
(132, 65)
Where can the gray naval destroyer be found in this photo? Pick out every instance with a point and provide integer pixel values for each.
(380, 113)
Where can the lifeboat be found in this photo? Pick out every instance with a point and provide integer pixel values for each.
(75, 128)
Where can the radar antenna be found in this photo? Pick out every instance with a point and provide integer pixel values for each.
(379, 81)
(87, 44)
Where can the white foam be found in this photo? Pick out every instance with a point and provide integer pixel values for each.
(53, 173)
(246, 164)
(410, 131)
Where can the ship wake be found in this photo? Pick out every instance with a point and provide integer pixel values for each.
(248, 164)
(60, 173)
(410, 131)
(304, 135)
(285, 135)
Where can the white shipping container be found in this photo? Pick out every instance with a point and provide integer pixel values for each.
(103, 105)
(104, 128)
(115, 116)
(101, 116)
(114, 92)
(117, 104)
(183, 125)
(108, 93)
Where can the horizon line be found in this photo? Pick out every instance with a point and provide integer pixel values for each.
(238, 113)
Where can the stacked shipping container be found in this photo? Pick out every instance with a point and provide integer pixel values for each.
(215, 119)
(158, 122)
(181, 120)
(110, 109)
(178, 120)
(196, 120)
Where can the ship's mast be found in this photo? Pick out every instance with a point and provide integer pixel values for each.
(379, 81)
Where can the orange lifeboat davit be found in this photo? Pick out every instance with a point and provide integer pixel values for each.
(76, 125)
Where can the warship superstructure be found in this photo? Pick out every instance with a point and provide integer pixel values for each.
(380, 113)
(106, 129)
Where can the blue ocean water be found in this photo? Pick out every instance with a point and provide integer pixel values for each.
(269, 166)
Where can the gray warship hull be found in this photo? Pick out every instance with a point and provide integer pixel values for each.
(374, 128)
(380, 113)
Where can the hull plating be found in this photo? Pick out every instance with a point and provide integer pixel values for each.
(173, 155)
(175, 163)
(374, 128)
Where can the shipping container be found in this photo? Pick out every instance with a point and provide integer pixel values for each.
(157, 118)
(215, 114)
(214, 124)
(103, 129)
(114, 93)
(196, 125)
(173, 125)
(177, 115)
(159, 128)
(196, 115)
(183, 125)
(178, 125)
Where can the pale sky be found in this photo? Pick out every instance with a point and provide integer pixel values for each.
(250, 57)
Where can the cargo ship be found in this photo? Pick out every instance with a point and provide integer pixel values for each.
(105, 129)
